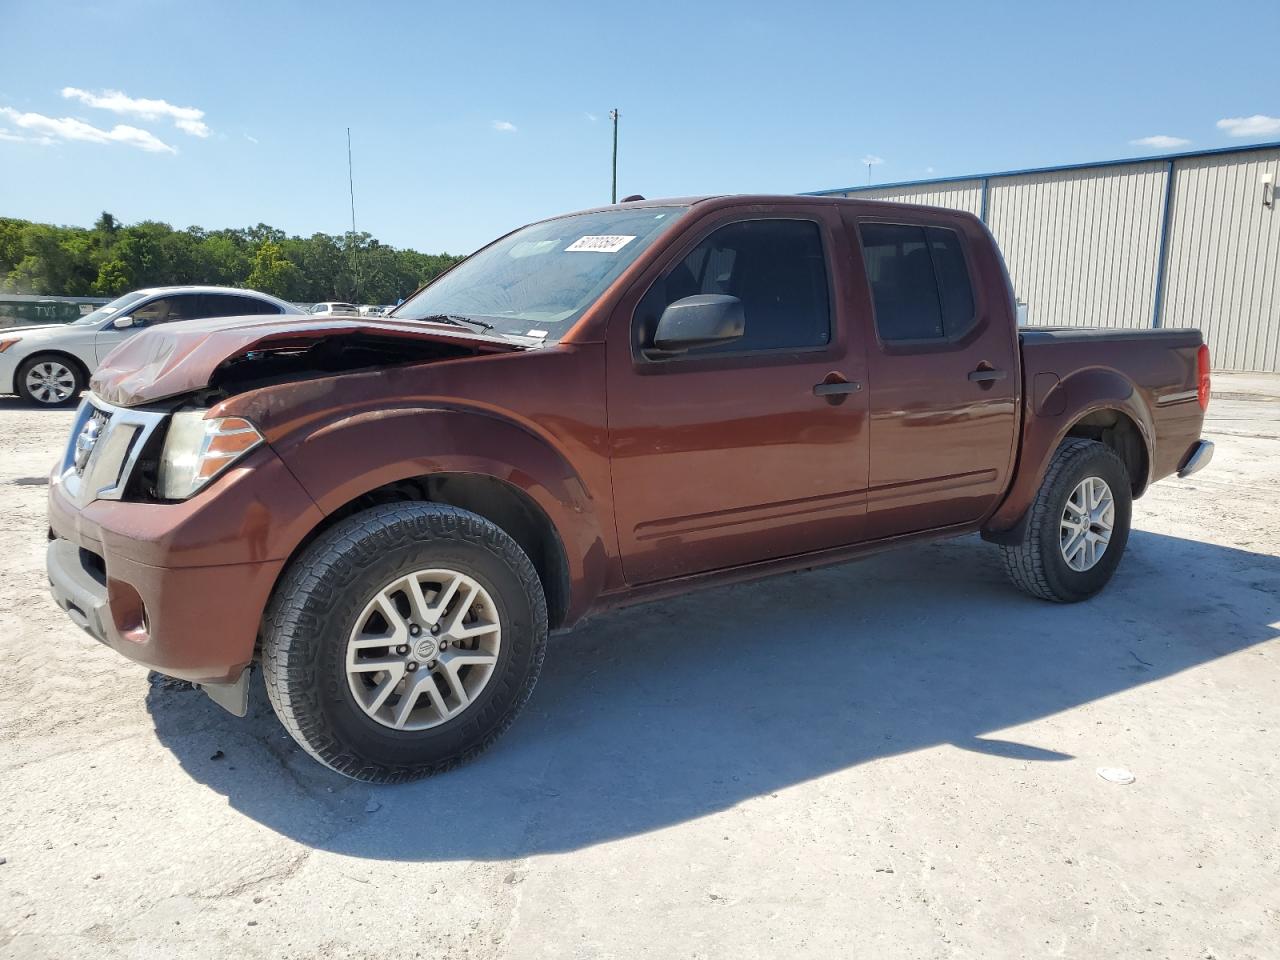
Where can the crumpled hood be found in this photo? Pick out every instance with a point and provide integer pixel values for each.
(177, 358)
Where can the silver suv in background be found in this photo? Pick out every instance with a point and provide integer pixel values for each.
(335, 307)
(50, 365)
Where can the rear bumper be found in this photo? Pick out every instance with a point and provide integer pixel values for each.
(1196, 458)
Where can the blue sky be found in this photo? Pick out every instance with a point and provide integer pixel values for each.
(468, 119)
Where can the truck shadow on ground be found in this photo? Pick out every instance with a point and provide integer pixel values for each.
(672, 711)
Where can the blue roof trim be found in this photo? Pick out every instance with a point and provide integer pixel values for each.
(977, 177)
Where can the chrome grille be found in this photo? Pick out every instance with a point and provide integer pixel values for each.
(87, 439)
(103, 449)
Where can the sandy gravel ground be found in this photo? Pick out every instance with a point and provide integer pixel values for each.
(890, 759)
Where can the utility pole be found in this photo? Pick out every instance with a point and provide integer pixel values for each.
(351, 184)
(868, 178)
(351, 187)
(613, 193)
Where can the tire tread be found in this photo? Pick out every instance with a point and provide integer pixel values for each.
(324, 568)
(1024, 563)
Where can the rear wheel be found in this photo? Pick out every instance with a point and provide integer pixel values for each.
(1077, 527)
(404, 641)
(49, 380)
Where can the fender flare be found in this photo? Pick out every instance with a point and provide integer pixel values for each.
(402, 443)
(1050, 417)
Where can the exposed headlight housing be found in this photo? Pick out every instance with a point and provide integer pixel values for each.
(196, 450)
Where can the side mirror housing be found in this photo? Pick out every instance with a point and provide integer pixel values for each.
(124, 323)
(704, 320)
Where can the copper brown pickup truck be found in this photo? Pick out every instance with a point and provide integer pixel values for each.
(388, 515)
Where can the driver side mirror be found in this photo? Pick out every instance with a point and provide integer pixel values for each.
(124, 323)
(704, 320)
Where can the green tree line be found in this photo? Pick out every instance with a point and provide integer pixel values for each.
(111, 258)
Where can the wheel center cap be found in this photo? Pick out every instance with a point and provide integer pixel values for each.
(426, 648)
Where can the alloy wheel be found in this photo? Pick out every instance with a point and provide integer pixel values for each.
(1087, 522)
(423, 649)
(51, 382)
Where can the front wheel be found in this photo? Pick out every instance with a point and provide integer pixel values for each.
(404, 640)
(49, 380)
(1078, 525)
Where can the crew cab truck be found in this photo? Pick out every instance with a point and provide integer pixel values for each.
(390, 514)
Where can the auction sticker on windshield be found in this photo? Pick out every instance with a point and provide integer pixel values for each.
(600, 244)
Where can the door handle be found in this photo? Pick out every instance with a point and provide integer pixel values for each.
(986, 376)
(836, 388)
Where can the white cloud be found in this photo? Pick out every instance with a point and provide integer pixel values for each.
(592, 117)
(69, 128)
(1256, 126)
(251, 139)
(928, 169)
(504, 126)
(187, 119)
(1160, 141)
(871, 160)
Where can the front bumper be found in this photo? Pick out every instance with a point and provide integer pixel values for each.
(8, 370)
(198, 624)
(178, 587)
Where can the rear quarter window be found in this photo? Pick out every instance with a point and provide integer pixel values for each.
(230, 305)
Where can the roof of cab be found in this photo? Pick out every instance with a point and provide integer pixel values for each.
(744, 199)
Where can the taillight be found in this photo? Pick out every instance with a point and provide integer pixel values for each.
(1202, 376)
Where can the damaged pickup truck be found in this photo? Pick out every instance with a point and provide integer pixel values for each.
(389, 515)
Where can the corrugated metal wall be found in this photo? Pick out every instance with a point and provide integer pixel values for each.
(1222, 265)
(1083, 245)
(961, 195)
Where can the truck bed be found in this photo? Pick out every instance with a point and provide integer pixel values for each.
(1142, 383)
(1173, 338)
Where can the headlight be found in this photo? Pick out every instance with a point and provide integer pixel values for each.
(196, 450)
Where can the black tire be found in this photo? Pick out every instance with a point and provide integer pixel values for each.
(1036, 565)
(72, 367)
(324, 590)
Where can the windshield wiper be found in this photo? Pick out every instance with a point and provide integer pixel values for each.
(453, 319)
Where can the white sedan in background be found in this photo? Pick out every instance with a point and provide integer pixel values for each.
(50, 365)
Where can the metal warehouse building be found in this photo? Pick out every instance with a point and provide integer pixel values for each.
(1180, 240)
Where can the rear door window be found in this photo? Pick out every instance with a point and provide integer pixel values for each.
(919, 281)
(230, 305)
